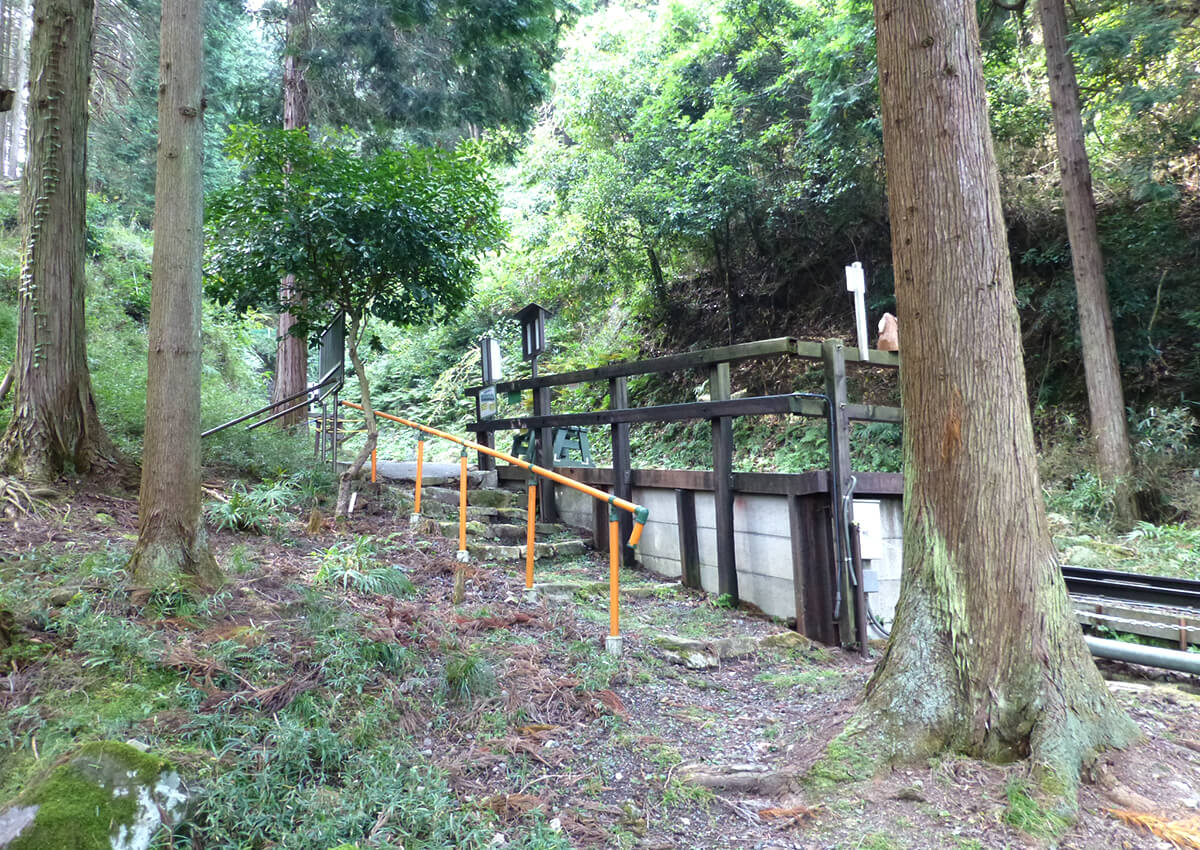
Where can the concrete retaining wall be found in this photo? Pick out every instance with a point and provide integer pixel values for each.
(762, 543)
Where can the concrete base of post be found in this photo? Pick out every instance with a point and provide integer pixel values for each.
(414, 520)
(613, 644)
(464, 556)
(531, 595)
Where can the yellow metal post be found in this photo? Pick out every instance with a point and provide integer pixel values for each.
(420, 467)
(613, 642)
(531, 534)
(462, 506)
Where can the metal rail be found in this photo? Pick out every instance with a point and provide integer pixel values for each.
(329, 378)
(1133, 587)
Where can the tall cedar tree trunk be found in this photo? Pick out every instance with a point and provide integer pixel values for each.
(346, 480)
(172, 548)
(1100, 366)
(54, 415)
(985, 657)
(291, 357)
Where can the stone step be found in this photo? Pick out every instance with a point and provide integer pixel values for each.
(445, 510)
(563, 591)
(542, 551)
(499, 531)
(475, 498)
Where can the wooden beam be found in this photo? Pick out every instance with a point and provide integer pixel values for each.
(758, 483)
(784, 345)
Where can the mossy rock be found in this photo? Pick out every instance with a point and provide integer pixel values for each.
(104, 796)
(493, 498)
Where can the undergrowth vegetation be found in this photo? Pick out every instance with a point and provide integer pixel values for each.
(294, 719)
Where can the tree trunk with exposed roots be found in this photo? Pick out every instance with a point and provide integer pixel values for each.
(346, 479)
(1101, 369)
(172, 551)
(54, 425)
(985, 657)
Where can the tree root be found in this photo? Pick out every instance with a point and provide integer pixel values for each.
(17, 501)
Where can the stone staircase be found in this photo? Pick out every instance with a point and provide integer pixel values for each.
(496, 524)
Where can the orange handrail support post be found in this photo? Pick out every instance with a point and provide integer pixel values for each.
(640, 512)
(613, 642)
(416, 515)
(373, 464)
(463, 555)
(531, 534)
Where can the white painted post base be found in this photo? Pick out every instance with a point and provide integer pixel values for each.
(613, 644)
(414, 519)
(464, 557)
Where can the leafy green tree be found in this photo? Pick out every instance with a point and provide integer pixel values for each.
(395, 235)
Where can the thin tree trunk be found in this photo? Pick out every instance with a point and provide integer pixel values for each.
(985, 657)
(291, 360)
(172, 551)
(19, 126)
(8, 49)
(346, 480)
(54, 424)
(1101, 368)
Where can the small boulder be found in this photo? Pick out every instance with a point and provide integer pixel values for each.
(1083, 556)
(104, 796)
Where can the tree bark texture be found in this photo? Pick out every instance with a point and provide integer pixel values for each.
(54, 422)
(1102, 370)
(346, 479)
(291, 356)
(13, 123)
(172, 549)
(985, 657)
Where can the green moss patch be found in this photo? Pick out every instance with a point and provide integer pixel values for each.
(88, 798)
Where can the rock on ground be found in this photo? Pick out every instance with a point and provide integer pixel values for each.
(104, 796)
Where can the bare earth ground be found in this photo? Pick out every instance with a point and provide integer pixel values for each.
(604, 747)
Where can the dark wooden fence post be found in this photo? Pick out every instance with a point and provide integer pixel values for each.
(689, 544)
(485, 438)
(722, 448)
(834, 354)
(545, 454)
(618, 399)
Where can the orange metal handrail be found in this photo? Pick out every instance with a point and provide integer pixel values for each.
(640, 512)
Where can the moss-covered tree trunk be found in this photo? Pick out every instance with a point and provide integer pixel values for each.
(346, 480)
(985, 657)
(172, 548)
(54, 424)
(1101, 369)
(291, 356)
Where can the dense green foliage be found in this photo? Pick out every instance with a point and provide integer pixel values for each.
(396, 235)
(434, 72)
(241, 84)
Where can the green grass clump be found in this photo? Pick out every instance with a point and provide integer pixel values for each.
(354, 567)
(1025, 812)
(467, 676)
